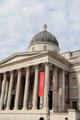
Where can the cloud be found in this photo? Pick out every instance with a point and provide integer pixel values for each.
(21, 20)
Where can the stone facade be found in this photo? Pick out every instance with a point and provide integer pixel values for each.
(19, 85)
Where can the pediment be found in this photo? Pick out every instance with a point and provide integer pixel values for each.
(18, 57)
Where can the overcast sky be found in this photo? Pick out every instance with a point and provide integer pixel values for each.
(20, 20)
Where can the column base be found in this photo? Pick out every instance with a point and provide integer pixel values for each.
(15, 109)
(24, 109)
(34, 109)
(45, 109)
(55, 110)
(7, 108)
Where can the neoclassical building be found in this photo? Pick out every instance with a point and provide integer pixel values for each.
(41, 84)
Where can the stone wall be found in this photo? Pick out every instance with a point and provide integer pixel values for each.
(71, 115)
(39, 47)
(73, 88)
(36, 115)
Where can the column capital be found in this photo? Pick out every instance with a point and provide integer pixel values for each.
(11, 71)
(36, 66)
(5, 73)
(63, 70)
(47, 63)
(56, 67)
(19, 69)
(27, 67)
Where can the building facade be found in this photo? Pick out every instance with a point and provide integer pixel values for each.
(40, 84)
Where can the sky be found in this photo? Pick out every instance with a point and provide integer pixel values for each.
(20, 20)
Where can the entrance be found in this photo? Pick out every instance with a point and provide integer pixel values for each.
(12, 102)
(74, 105)
(38, 105)
(41, 118)
(50, 100)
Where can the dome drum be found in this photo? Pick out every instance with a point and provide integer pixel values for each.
(44, 46)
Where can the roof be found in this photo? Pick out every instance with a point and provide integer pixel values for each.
(44, 37)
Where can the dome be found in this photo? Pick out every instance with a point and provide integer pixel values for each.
(44, 37)
(44, 41)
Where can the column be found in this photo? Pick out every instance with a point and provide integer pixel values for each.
(17, 90)
(46, 87)
(6, 92)
(35, 93)
(63, 90)
(26, 92)
(60, 90)
(55, 99)
(3, 92)
(10, 91)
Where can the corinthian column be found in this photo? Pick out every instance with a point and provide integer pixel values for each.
(55, 90)
(63, 90)
(10, 91)
(26, 92)
(17, 90)
(6, 92)
(35, 93)
(46, 87)
(60, 91)
(3, 92)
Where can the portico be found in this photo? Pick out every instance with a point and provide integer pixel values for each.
(30, 74)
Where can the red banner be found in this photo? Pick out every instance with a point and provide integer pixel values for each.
(41, 83)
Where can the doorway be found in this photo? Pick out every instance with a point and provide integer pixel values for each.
(50, 100)
(12, 102)
(74, 105)
(41, 118)
(38, 105)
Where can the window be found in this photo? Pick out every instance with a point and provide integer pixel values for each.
(74, 105)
